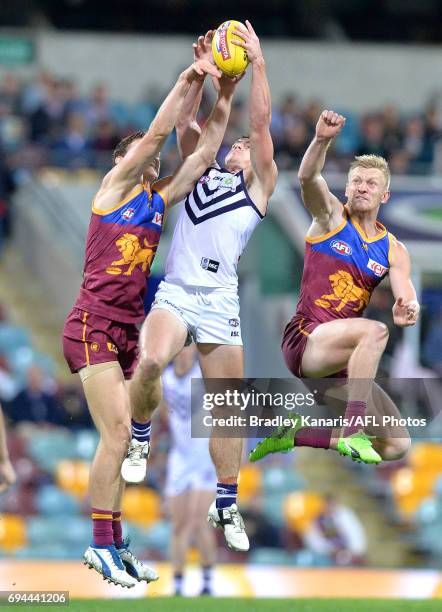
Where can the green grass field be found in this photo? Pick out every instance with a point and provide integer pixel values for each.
(200, 604)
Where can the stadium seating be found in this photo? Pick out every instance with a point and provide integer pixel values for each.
(72, 476)
(300, 509)
(142, 506)
(12, 532)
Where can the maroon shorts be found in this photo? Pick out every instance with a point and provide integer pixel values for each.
(89, 339)
(294, 340)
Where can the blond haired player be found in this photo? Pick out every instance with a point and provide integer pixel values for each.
(348, 253)
(199, 297)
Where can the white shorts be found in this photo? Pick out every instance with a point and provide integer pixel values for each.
(189, 473)
(210, 315)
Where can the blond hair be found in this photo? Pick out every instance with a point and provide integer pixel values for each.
(372, 161)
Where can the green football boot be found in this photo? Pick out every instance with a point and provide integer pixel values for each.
(281, 440)
(358, 446)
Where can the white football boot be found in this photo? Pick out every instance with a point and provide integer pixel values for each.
(231, 522)
(106, 561)
(134, 467)
(134, 566)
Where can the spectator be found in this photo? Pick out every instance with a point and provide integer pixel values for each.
(36, 403)
(73, 149)
(338, 533)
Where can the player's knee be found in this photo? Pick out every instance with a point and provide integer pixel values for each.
(117, 434)
(151, 365)
(377, 332)
(395, 449)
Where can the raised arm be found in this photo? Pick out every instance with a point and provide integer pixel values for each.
(7, 474)
(261, 144)
(316, 196)
(187, 128)
(406, 307)
(183, 181)
(126, 174)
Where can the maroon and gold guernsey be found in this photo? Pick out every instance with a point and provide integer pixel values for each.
(120, 247)
(341, 270)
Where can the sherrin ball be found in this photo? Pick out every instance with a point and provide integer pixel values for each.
(230, 59)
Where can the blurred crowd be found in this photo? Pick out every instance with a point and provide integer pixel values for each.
(50, 121)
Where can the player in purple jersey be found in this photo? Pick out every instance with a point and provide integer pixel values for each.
(7, 473)
(100, 337)
(348, 252)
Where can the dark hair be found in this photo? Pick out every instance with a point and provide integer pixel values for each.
(122, 147)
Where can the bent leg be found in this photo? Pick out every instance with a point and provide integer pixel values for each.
(356, 344)
(394, 441)
(162, 337)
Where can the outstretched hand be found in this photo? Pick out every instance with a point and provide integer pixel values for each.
(199, 69)
(329, 125)
(405, 313)
(202, 49)
(249, 41)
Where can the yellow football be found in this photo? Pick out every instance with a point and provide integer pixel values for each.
(230, 59)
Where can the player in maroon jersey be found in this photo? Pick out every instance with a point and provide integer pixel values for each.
(348, 252)
(100, 337)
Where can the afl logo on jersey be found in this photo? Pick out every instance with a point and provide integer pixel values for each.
(128, 213)
(376, 267)
(341, 247)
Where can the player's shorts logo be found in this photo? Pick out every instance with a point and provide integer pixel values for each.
(128, 213)
(209, 264)
(377, 268)
(112, 348)
(341, 247)
(95, 347)
(234, 334)
(132, 255)
(234, 322)
(344, 291)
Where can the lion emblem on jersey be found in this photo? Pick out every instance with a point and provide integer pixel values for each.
(344, 291)
(132, 254)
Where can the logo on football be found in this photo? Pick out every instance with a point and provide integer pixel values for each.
(341, 247)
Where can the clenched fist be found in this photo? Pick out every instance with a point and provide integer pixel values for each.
(329, 125)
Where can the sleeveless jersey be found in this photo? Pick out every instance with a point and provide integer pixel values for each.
(177, 394)
(120, 247)
(341, 270)
(215, 224)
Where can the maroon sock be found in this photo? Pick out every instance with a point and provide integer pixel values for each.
(354, 410)
(117, 529)
(102, 523)
(316, 437)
